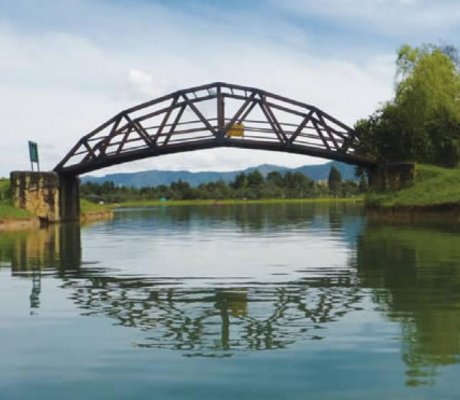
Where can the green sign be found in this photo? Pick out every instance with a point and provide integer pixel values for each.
(33, 151)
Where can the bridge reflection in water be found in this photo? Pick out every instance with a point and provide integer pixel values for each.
(410, 276)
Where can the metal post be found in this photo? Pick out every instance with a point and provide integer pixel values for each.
(220, 112)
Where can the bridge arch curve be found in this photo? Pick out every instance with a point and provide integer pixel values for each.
(209, 116)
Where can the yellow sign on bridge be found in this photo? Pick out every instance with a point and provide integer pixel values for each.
(236, 130)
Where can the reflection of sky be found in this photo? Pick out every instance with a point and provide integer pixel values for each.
(220, 250)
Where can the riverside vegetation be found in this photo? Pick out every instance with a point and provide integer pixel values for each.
(98, 199)
(246, 188)
(420, 124)
(250, 187)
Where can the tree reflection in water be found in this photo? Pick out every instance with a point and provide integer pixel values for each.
(415, 274)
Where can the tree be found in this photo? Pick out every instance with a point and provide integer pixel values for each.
(334, 181)
(349, 188)
(422, 122)
(240, 182)
(297, 184)
(182, 190)
(362, 186)
(274, 178)
(255, 179)
(251, 186)
(255, 182)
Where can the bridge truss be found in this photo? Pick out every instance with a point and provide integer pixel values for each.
(209, 116)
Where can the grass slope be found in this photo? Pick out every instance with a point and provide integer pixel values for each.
(88, 207)
(7, 210)
(433, 187)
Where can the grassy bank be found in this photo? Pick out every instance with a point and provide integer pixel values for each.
(7, 210)
(152, 203)
(88, 207)
(435, 188)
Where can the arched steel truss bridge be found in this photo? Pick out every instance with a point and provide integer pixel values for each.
(209, 116)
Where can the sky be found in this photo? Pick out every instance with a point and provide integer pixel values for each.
(66, 66)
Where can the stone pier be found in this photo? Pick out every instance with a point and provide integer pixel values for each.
(47, 195)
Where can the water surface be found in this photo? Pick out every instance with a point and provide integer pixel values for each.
(285, 301)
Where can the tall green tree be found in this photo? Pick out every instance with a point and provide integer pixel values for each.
(334, 181)
(240, 182)
(422, 122)
(274, 178)
(255, 178)
(363, 185)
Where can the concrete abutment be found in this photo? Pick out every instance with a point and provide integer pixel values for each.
(47, 195)
(69, 197)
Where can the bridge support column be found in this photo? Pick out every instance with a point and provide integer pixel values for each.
(69, 198)
(47, 195)
(36, 192)
(391, 177)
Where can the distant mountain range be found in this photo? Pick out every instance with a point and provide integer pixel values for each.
(158, 177)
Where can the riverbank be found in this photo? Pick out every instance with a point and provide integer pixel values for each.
(434, 194)
(175, 203)
(90, 212)
(12, 218)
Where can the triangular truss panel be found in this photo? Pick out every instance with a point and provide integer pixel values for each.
(208, 116)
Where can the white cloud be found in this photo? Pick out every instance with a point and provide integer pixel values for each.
(146, 85)
(412, 18)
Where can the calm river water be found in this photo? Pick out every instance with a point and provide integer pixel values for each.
(231, 302)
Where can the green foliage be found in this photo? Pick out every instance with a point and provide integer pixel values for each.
(255, 179)
(87, 206)
(422, 122)
(7, 210)
(363, 185)
(4, 189)
(251, 186)
(240, 182)
(274, 178)
(334, 181)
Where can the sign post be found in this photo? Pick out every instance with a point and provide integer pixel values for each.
(33, 154)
